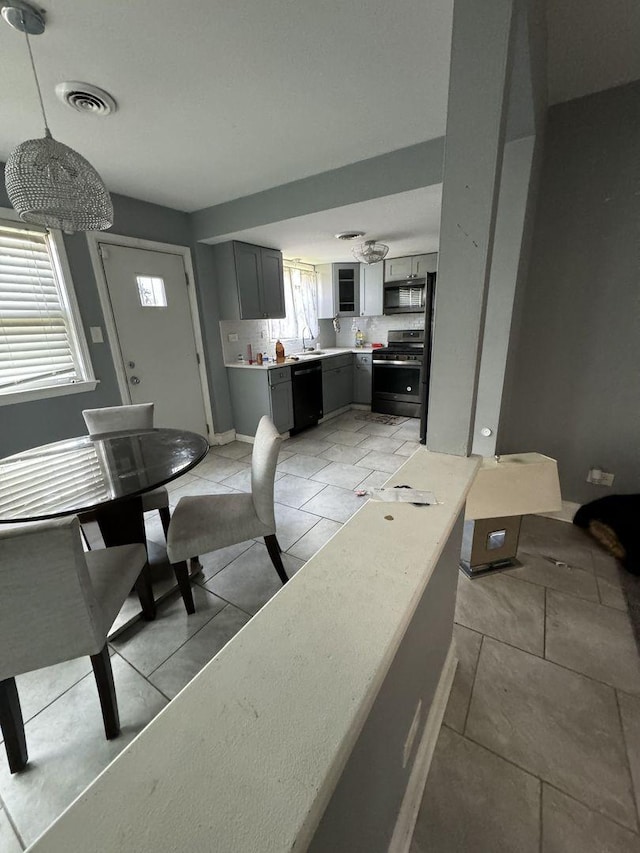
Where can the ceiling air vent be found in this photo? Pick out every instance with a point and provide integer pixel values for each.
(350, 235)
(86, 98)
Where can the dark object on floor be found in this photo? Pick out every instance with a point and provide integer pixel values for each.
(613, 521)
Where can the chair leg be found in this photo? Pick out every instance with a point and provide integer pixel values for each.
(165, 518)
(277, 544)
(12, 725)
(145, 594)
(184, 583)
(274, 552)
(103, 673)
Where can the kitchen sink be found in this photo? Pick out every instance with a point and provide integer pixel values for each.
(308, 354)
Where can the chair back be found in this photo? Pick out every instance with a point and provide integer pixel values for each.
(118, 418)
(48, 609)
(264, 459)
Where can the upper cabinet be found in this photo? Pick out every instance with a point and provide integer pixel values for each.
(413, 266)
(349, 290)
(250, 282)
(370, 290)
(338, 290)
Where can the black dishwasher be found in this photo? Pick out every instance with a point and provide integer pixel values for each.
(306, 382)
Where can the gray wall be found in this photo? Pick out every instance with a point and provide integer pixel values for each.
(363, 810)
(574, 375)
(417, 165)
(39, 421)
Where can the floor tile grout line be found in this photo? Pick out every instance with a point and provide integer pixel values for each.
(144, 677)
(65, 691)
(628, 760)
(195, 633)
(210, 592)
(13, 824)
(545, 781)
(473, 684)
(561, 665)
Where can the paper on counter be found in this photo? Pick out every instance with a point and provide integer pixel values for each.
(410, 496)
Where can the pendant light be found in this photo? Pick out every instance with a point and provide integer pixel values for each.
(370, 252)
(47, 182)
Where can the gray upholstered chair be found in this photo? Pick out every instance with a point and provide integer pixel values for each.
(58, 603)
(124, 418)
(204, 523)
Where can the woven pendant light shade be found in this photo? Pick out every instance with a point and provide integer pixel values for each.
(370, 252)
(50, 184)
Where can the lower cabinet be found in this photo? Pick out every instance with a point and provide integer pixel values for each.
(337, 382)
(362, 376)
(255, 393)
(282, 406)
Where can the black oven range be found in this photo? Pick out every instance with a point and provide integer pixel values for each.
(396, 388)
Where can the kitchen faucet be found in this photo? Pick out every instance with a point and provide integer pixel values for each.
(306, 329)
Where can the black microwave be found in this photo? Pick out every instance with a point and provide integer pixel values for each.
(408, 296)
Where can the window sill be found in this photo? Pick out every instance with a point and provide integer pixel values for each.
(43, 393)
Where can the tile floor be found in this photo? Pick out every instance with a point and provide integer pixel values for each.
(540, 747)
(317, 473)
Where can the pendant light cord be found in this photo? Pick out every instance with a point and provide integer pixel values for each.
(47, 132)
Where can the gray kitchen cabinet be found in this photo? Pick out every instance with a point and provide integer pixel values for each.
(411, 266)
(362, 376)
(337, 382)
(255, 393)
(338, 290)
(371, 290)
(250, 281)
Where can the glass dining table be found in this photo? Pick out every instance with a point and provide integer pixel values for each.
(105, 475)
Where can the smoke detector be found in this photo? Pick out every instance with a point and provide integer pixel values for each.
(350, 235)
(86, 98)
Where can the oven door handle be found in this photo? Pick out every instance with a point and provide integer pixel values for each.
(397, 363)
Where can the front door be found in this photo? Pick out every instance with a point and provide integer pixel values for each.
(148, 291)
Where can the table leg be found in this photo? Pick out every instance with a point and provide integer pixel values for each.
(122, 523)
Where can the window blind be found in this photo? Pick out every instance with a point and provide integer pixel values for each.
(35, 344)
(66, 480)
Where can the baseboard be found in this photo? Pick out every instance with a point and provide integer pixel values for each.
(569, 509)
(223, 437)
(408, 815)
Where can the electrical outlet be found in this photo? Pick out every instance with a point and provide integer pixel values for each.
(233, 338)
(413, 731)
(600, 478)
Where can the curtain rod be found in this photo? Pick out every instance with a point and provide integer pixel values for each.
(299, 264)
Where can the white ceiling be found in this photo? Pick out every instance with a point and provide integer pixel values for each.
(409, 223)
(592, 45)
(221, 99)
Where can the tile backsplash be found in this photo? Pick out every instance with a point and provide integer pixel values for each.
(376, 328)
(256, 333)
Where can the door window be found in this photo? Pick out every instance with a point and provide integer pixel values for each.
(151, 291)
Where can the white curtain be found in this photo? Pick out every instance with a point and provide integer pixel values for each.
(301, 305)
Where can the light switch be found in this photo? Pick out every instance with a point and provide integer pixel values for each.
(96, 334)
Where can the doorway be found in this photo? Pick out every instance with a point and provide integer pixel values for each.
(153, 329)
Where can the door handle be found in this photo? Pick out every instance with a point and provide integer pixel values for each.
(134, 380)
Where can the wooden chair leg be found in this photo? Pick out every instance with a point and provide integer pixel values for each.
(145, 594)
(274, 552)
(184, 583)
(277, 544)
(165, 518)
(103, 673)
(12, 725)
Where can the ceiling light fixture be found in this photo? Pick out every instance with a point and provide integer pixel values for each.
(49, 183)
(370, 252)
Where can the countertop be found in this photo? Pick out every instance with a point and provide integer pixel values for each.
(246, 757)
(327, 352)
